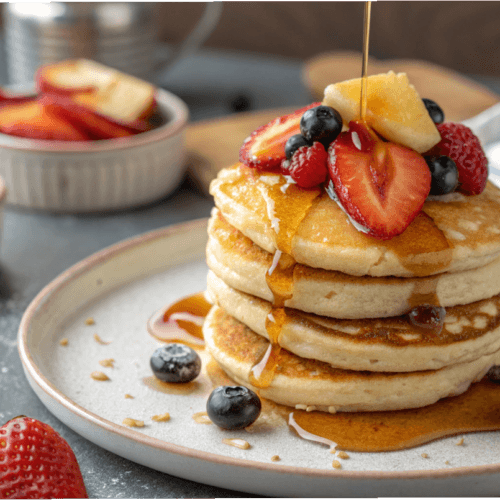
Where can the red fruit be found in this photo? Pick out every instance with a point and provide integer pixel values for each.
(95, 126)
(380, 185)
(35, 121)
(264, 149)
(6, 98)
(463, 147)
(307, 167)
(36, 462)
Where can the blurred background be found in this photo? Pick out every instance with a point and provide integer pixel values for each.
(461, 36)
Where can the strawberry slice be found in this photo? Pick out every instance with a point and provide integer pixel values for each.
(264, 149)
(380, 185)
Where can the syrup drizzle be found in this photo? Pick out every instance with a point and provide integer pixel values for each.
(425, 292)
(284, 218)
(182, 321)
(478, 409)
(304, 434)
(364, 70)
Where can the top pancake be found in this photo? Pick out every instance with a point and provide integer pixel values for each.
(452, 233)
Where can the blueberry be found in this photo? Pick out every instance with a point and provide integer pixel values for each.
(322, 124)
(428, 316)
(175, 363)
(434, 110)
(494, 374)
(444, 174)
(233, 408)
(295, 142)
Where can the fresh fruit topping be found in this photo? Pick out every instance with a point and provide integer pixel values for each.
(322, 124)
(308, 166)
(464, 148)
(36, 462)
(233, 408)
(96, 127)
(394, 109)
(428, 317)
(34, 120)
(295, 142)
(434, 110)
(444, 174)
(122, 98)
(494, 374)
(175, 363)
(380, 185)
(7, 98)
(264, 149)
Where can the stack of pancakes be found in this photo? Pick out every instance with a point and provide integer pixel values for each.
(345, 339)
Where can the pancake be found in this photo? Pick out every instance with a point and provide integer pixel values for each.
(243, 265)
(310, 383)
(453, 233)
(392, 344)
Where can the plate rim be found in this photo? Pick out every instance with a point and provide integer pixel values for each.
(35, 373)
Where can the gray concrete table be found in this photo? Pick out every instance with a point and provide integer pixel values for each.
(36, 247)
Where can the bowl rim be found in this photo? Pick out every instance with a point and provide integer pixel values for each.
(175, 107)
(3, 191)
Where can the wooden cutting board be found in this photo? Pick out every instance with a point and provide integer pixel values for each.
(214, 144)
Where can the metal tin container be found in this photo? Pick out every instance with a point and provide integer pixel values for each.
(123, 35)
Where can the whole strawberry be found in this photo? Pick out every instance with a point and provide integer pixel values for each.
(463, 147)
(36, 462)
(307, 167)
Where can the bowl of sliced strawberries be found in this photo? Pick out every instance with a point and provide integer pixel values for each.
(89, 138)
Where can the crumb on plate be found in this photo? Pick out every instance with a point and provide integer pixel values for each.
(98, 339)
(165, 417)
(99, 376)
(132, 422)
(237, 443)
(107, 363)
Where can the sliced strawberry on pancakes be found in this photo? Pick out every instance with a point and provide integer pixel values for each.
(380, 185)
(264, 149)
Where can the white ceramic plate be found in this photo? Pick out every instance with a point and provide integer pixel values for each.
(120, 287)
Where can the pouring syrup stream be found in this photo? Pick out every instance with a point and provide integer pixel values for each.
(364, 69)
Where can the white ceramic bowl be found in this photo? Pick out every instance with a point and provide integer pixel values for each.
(3, 198)
(94, 176)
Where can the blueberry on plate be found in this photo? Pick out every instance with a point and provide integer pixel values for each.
(295, 142)
(175, 363)
(434, 110)
(233, 407)
(322, 124)
(444, 174)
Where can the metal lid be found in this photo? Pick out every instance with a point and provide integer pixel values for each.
(107, 18)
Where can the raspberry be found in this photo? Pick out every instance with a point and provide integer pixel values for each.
(307, 167)
(463, 147)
